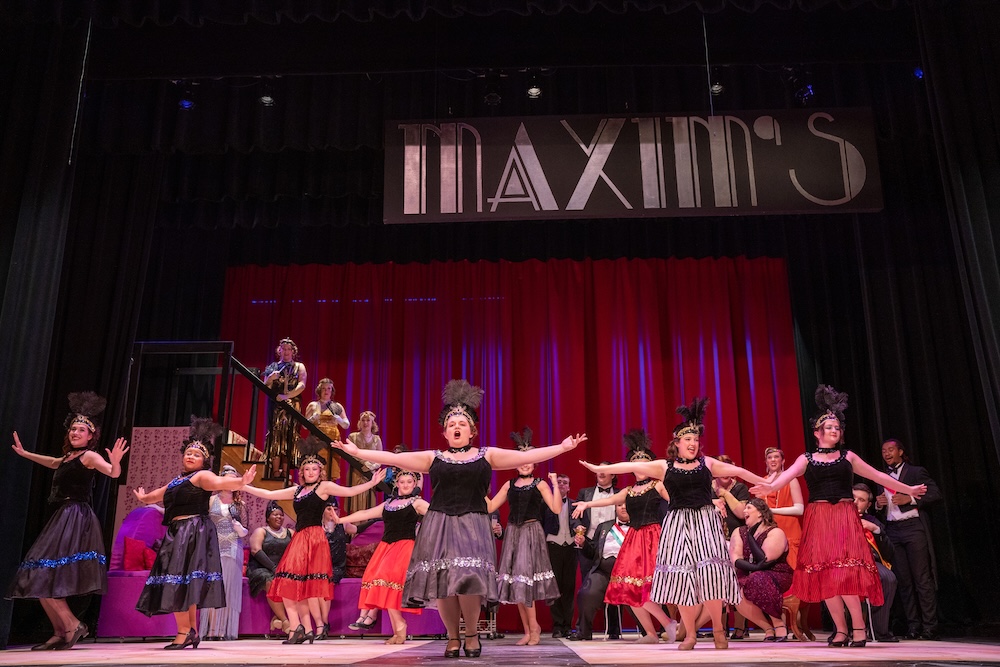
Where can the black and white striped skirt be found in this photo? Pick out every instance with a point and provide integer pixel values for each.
(692, 564)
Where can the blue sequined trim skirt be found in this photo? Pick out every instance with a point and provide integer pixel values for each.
(187, 570)
(452, 555)
(66, 559)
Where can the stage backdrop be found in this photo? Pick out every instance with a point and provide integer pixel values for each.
(562, 346)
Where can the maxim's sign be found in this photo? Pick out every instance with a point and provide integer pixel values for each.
(551, 167)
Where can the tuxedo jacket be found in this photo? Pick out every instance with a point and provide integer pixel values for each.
(882, 541)
(594, 548)
(912, 475)
(550, 520)
(586, 494)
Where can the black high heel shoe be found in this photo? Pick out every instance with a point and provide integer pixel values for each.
(51, 643)
(325, 634)
(192, 639)
(473, 652)
(859, 643)
(451, 652)
(835, 644)
(300, 636)
(78, 634)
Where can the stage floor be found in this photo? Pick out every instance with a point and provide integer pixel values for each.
(551, 653)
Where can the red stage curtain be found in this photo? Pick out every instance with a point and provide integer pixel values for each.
(563, 346)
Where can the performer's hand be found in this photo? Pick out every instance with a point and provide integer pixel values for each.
(554, 479)
(17, 446)
(868, 525)
(761, 490)
(282, 397)
(497, 529)
(578, 540)
(720, 505)
(378, 476)
(592, 467)
(881, 501)
(572, 441)
(347, 448)
(579, 507)
(249, 475)
(116, 453)
(917, 492)
(140, 494)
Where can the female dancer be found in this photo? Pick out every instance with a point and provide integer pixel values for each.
(834, 562)
(632, 576)
(759, 550)
(692, 563)
(454, 558)
(786, 503)
(305, 574)
(288, 377)
(187, 573)
(366, 437)
(329, 417)
(226, 511)
(524, 571)
(68, 558)
(267, 546)
(382, 583)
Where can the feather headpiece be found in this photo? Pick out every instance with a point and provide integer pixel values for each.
(693, 416)
(831, 404)
(84, 407)
(309, 450)
(522, 439)
(460, 397)
(202, 435)
(639, 445)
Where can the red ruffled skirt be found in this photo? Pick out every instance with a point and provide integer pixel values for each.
(834, 557)
(632, 575)
(382, 583)
(305, 571)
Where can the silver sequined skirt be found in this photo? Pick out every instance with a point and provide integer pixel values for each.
(452, 555)
(524, 571)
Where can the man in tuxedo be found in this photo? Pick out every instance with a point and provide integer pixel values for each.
(562, 554)
(594, 517)
(602, 551)
(908, 525)
(882, 553)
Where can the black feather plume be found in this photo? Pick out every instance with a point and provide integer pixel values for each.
(204, 430)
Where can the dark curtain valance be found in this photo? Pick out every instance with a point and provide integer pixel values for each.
(239, 12)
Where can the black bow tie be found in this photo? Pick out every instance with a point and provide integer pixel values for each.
(604, 490)
(895, 468)
(622, 524)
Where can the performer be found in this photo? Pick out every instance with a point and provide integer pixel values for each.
(759, 551)
(835, 563)
(366, 437)
(304, 575)
(187, 573)
(382, 583)
(267, 546)
(329, 417)
(602, 551)
(226, 511)
(68, 557)
(786, 503)
(692, 563)
(524, 570)
(632, 577)
(454, 558)
(288, 377)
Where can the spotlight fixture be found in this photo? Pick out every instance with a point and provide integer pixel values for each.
(534, 89)
(266, 98)
(799, 82)
(918, 72)
(492, 95)
(717, 88)
(186, 100)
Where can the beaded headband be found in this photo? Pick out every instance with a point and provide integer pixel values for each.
(697, 429)
(826, 416)
(640, 455)
(311, 459)
(196, 444)
(83, 419)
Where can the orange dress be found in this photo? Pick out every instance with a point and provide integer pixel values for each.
(791, 525)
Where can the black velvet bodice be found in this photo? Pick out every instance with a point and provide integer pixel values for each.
(399, 524)
(460, 487)
(72, 481)
(643, 509)
(689, 489)
(525, 503)
(182, 498)
(830, 481)
(308, 509)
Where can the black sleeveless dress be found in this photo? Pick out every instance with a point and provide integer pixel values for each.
(68, 556)
(187, 570)
(524, 570)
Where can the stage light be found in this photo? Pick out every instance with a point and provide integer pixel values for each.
(492, 95)
(266, 98)
(799, 82)
(185, 101)
(534, 89)
(717, 88)
(918, 72)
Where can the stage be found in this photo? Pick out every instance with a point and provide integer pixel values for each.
(550, 652)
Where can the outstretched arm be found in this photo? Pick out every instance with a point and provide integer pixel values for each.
(865, 470)
(492, 504)
(784, 478)
(151, 497)
(798, 507)
(413, 461)
(551, 497)
(656, 469)
(508, 459)
(271, 494)
(209, 481)
(720, 469)
(113, 467)
(369, 514)
(581, 506)
(41, 459)
(327, 489)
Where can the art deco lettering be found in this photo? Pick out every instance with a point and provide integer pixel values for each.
(741, 163)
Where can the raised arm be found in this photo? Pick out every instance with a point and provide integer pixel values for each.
(508, 459)
(551, 497)
(494, 503)
(413, 461)
(865, 470)
(798, 506)
(720, 469)
(791, 472)
(582, 505)
(369, 514)
(151, 497)
(656, 469)
(112, 468)
(40, 459)
(327, 489)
